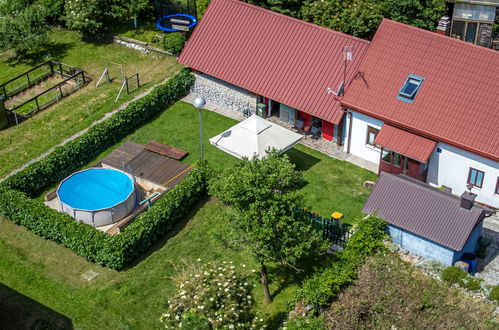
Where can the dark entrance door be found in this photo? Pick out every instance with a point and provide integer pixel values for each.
(393, 162)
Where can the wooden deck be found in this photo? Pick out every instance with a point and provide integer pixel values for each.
(133, 158)
(157, 168)
(122, 155)
(166, 150)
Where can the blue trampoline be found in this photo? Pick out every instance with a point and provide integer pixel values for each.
(176, 22)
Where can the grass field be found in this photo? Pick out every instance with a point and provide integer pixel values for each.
(134, 298)
(35, 136)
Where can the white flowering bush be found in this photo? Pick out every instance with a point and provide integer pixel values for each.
(212, 296)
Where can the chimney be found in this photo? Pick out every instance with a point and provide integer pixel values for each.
(467, 200)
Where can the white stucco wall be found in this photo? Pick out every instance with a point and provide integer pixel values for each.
(451, 168)
(358, 145)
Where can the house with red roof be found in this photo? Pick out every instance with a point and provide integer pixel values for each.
(295, 68)
(427, 105)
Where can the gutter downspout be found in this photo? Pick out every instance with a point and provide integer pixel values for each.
(349, 140)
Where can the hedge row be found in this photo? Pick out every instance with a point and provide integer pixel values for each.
(79, 152)
(367, 238)
(113, 251)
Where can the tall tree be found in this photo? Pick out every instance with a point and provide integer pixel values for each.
(420, 13)
(264, 209)
(86, 16)
(23, 26)
(130, 9)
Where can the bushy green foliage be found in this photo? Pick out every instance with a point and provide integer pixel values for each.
(264, 207)
(212, 296)
(309, 322)
(79, 152)
(113, 251)
(174, 42)
(23, 26)
(86, 16)
(454, 275)
(494, 293)
(367, 238)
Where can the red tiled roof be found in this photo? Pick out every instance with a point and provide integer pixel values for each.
(282, 58)
(405, 143)
(457, 103)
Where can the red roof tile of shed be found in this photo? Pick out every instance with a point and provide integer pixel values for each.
(457, 103)
(405, 143)
(280, 57)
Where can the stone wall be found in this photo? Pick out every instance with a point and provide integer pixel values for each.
(224, 94)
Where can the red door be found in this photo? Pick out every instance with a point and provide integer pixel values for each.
(392, 162)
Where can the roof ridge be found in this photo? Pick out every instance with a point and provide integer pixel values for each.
(436, 35)
(296, 20)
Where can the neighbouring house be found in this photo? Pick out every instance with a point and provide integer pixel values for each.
(425, 220)
(473, 20)
(427, 105)
(295, 68)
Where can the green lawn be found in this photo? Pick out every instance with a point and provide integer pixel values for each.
(135, 298)
(35, 136)
(331, 184)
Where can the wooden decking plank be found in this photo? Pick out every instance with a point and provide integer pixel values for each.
(166, 150)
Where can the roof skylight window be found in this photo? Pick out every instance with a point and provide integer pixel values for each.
(410, 88)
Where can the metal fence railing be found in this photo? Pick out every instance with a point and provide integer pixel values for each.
(332, 229)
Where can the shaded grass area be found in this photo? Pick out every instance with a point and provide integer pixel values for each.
(76, 112)
(390, 293)
(135, 298)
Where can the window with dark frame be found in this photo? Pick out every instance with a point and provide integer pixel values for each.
(386, 155)
(497, 186)
(371, 135)
(410, 88)
(475, 177)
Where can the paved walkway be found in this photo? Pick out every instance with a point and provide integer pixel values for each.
(488, 268)
(322, 145)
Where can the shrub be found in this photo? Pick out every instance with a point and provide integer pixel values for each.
(310, 322)
(78, 152)
(174, 42)
(454, 275)
(494, 293)
(367, 238)
(113, 251)
(212, 294)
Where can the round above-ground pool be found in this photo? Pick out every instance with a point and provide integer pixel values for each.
(97, 196)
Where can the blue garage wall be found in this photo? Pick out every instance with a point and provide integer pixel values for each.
(421, 246)
(471, 245)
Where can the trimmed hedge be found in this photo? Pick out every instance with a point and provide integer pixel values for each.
(367, 238)
(113, 251)
(76, 153)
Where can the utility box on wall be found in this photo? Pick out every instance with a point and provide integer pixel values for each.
(3, 115)
(261, 110)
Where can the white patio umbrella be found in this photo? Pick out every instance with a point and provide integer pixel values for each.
(253, 137)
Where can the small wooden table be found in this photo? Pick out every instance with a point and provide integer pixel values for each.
(166, 150)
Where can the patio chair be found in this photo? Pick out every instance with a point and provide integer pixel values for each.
(298, 125)
(315, 132)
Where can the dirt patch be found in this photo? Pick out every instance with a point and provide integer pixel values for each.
(392, 294)
(33, 91)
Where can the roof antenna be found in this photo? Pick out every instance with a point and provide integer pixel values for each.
(347, 56)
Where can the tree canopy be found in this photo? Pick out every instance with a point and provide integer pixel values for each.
(264, 209)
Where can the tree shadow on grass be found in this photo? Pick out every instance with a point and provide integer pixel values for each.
(18, 311)
(53, 50)
(172, 233)
(302, 160)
